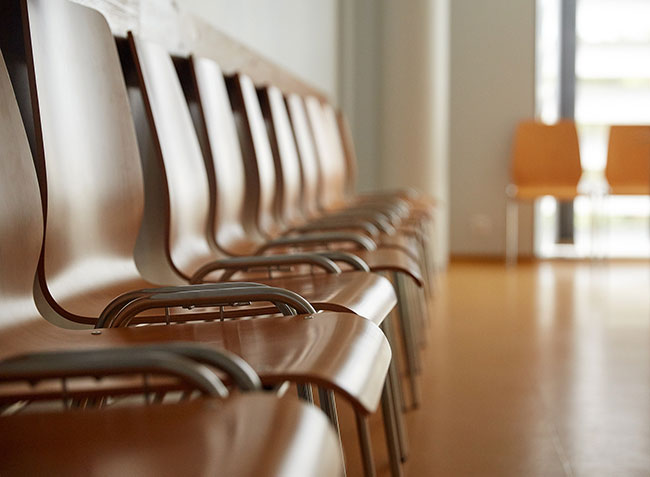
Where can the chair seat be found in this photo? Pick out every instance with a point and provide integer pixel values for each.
(527, 192)
(630, 189)
(365, 294)
(341, 351)
(406, 243)
(245, 435)
(391, 260)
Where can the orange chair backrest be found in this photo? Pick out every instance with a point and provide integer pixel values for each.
(628, 160)
(546, 156)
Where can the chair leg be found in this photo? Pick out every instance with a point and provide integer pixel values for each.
(328, 405)
(418, 321)
(364, 443)
(394, 451)
(512, 231)
(395, 388)
(305, 393)
(395, 363)
(410, 347)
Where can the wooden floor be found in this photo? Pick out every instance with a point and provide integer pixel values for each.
(538, 370)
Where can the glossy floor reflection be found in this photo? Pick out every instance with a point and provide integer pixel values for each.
(541, 369)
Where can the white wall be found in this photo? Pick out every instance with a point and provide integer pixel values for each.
(424, 112)
(301, 36)
(492, 87)
(394, 88)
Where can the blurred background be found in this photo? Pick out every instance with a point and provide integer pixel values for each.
(434, 89)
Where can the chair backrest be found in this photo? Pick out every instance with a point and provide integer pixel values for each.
(256, 153)
(229, 196)
(347, 140)
(21, 226)
(307, 154)
(546, 156)
(329, 152)
(86, 150)
(628, 160)
(179, 154)
(285, 155)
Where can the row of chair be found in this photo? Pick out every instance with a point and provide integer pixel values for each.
(546, 161)
(155, 182)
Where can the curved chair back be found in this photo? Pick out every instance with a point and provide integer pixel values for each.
(180, 156)
(351, 172)
(546, 160)
(330, 155)
(21, 229)
(285, 155)
(226, 157)
(628, 160)
(307, 154)
(256, 154)
(88, 154)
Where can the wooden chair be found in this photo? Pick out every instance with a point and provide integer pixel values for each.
(322, 156)
(193, 438)
(185, 184)
(332, 167)
(229, 168)
(93, 197)
(421, 206)
(43, 442)
(545, 161)
(256, 134)
(279, 143)
(418, 211)
(176, 182)
(262, 169)
(628, 160)
(188, 437)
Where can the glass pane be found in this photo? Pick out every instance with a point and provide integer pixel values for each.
(612, 87)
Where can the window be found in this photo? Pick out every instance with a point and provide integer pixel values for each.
(612, 87)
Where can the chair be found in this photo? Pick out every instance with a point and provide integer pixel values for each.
(419, 210)
(545, 161)
(331, 157)
(287, 164)
(421, 207)
(628, 160)
(185, 186)
(187, 437)
(93, 219)
(261, 176)
(176, 182)
(255, 169)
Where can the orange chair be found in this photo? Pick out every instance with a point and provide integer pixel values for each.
(628, 160)
(545, 161)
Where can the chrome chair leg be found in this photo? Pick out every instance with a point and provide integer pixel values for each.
(398, 406)
(410, 346)
(328, 405)
(364, 443)
(512, 231)
(305, 393)
(394, 454)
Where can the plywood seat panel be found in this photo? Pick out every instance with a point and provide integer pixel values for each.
(337, 350)
(202, 437)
